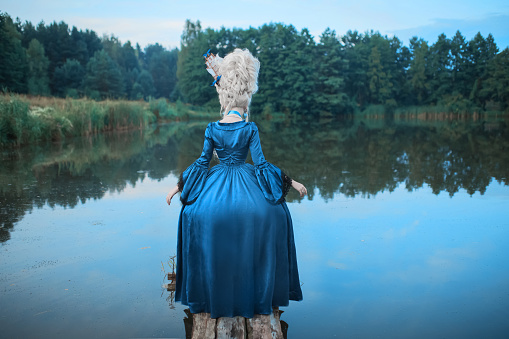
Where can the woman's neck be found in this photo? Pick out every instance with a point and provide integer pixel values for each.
(229, 116)
(237, 109)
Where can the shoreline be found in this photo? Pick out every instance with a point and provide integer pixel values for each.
(27, 119)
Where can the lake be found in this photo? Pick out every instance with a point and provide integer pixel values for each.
(404, 233)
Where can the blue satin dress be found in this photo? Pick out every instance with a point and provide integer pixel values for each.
(235, 249)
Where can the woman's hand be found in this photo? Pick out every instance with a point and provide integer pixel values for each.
(171, 194)
(300, 188)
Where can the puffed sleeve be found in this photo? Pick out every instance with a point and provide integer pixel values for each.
(274, 183)
(193, 179)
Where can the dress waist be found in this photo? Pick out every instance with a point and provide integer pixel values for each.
(230, 162)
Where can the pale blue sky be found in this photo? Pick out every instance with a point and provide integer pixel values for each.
(148, 22)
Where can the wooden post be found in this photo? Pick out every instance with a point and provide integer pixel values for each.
(230, 328)
(261, 326)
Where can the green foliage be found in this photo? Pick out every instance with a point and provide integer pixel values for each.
(439, 68)
(103, 75)
(482, 52)
(417, 76)
(286, 75)
(38, 81)
(356, 53)
(67, 78)
(379, 81)
(298, 76)
(459, 64)
(15, 121)
(163, 110)
(329, 78)
(20, 123)
(162, 65)
(137, 92)
(343, 74)
(13, 63)
(496, 86)
(54, 63)
(126, 59)
(193, 80)
(144, 86)
(23, 121)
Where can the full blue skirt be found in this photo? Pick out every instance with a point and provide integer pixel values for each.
(236, 252)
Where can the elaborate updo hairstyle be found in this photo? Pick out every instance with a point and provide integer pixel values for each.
(239, 79)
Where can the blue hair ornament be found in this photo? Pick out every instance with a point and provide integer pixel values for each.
(216, 81)
(212, 61)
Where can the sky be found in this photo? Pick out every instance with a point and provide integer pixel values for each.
(148, 22)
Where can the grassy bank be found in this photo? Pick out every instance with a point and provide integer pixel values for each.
(26, 119)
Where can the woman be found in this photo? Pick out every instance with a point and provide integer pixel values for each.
(235, 251)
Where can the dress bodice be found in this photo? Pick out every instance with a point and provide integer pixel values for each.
(231, 141)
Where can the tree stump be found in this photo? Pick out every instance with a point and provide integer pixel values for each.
(261, 326)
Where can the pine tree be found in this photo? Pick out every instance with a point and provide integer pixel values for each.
(162, 66)
(38, 81)
(357, 53)
(439, 68)
(380, 85)
(482, 51)
(13, 61)
(459, 63)
(417, 76)
(144, 86)
(68, 78)
(496, 86)
(103, 77)
(330, 69)
(193, 81)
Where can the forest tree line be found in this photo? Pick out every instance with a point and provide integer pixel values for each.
(345, 73)
(56, 60)
(336, 75)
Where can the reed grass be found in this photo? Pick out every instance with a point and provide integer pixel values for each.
(439, 112)
(163, 110)
(373, 112)
(26, 119)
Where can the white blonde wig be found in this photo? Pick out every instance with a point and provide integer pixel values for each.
(239, 79)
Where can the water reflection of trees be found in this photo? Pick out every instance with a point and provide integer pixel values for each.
(334, 158)
(357, 159)
(84, 169)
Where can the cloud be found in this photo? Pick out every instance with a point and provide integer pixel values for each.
(148, 22)
(393, 233)
(494, 23)
(337, 265)
(440, 267)
(144, 30)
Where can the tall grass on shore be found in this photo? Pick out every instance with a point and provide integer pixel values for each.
(24, 120)
(29, 119)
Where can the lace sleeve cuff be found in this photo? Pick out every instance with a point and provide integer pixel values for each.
(287, 184)
(180, 183)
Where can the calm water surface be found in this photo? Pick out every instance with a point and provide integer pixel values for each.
(405, 232)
